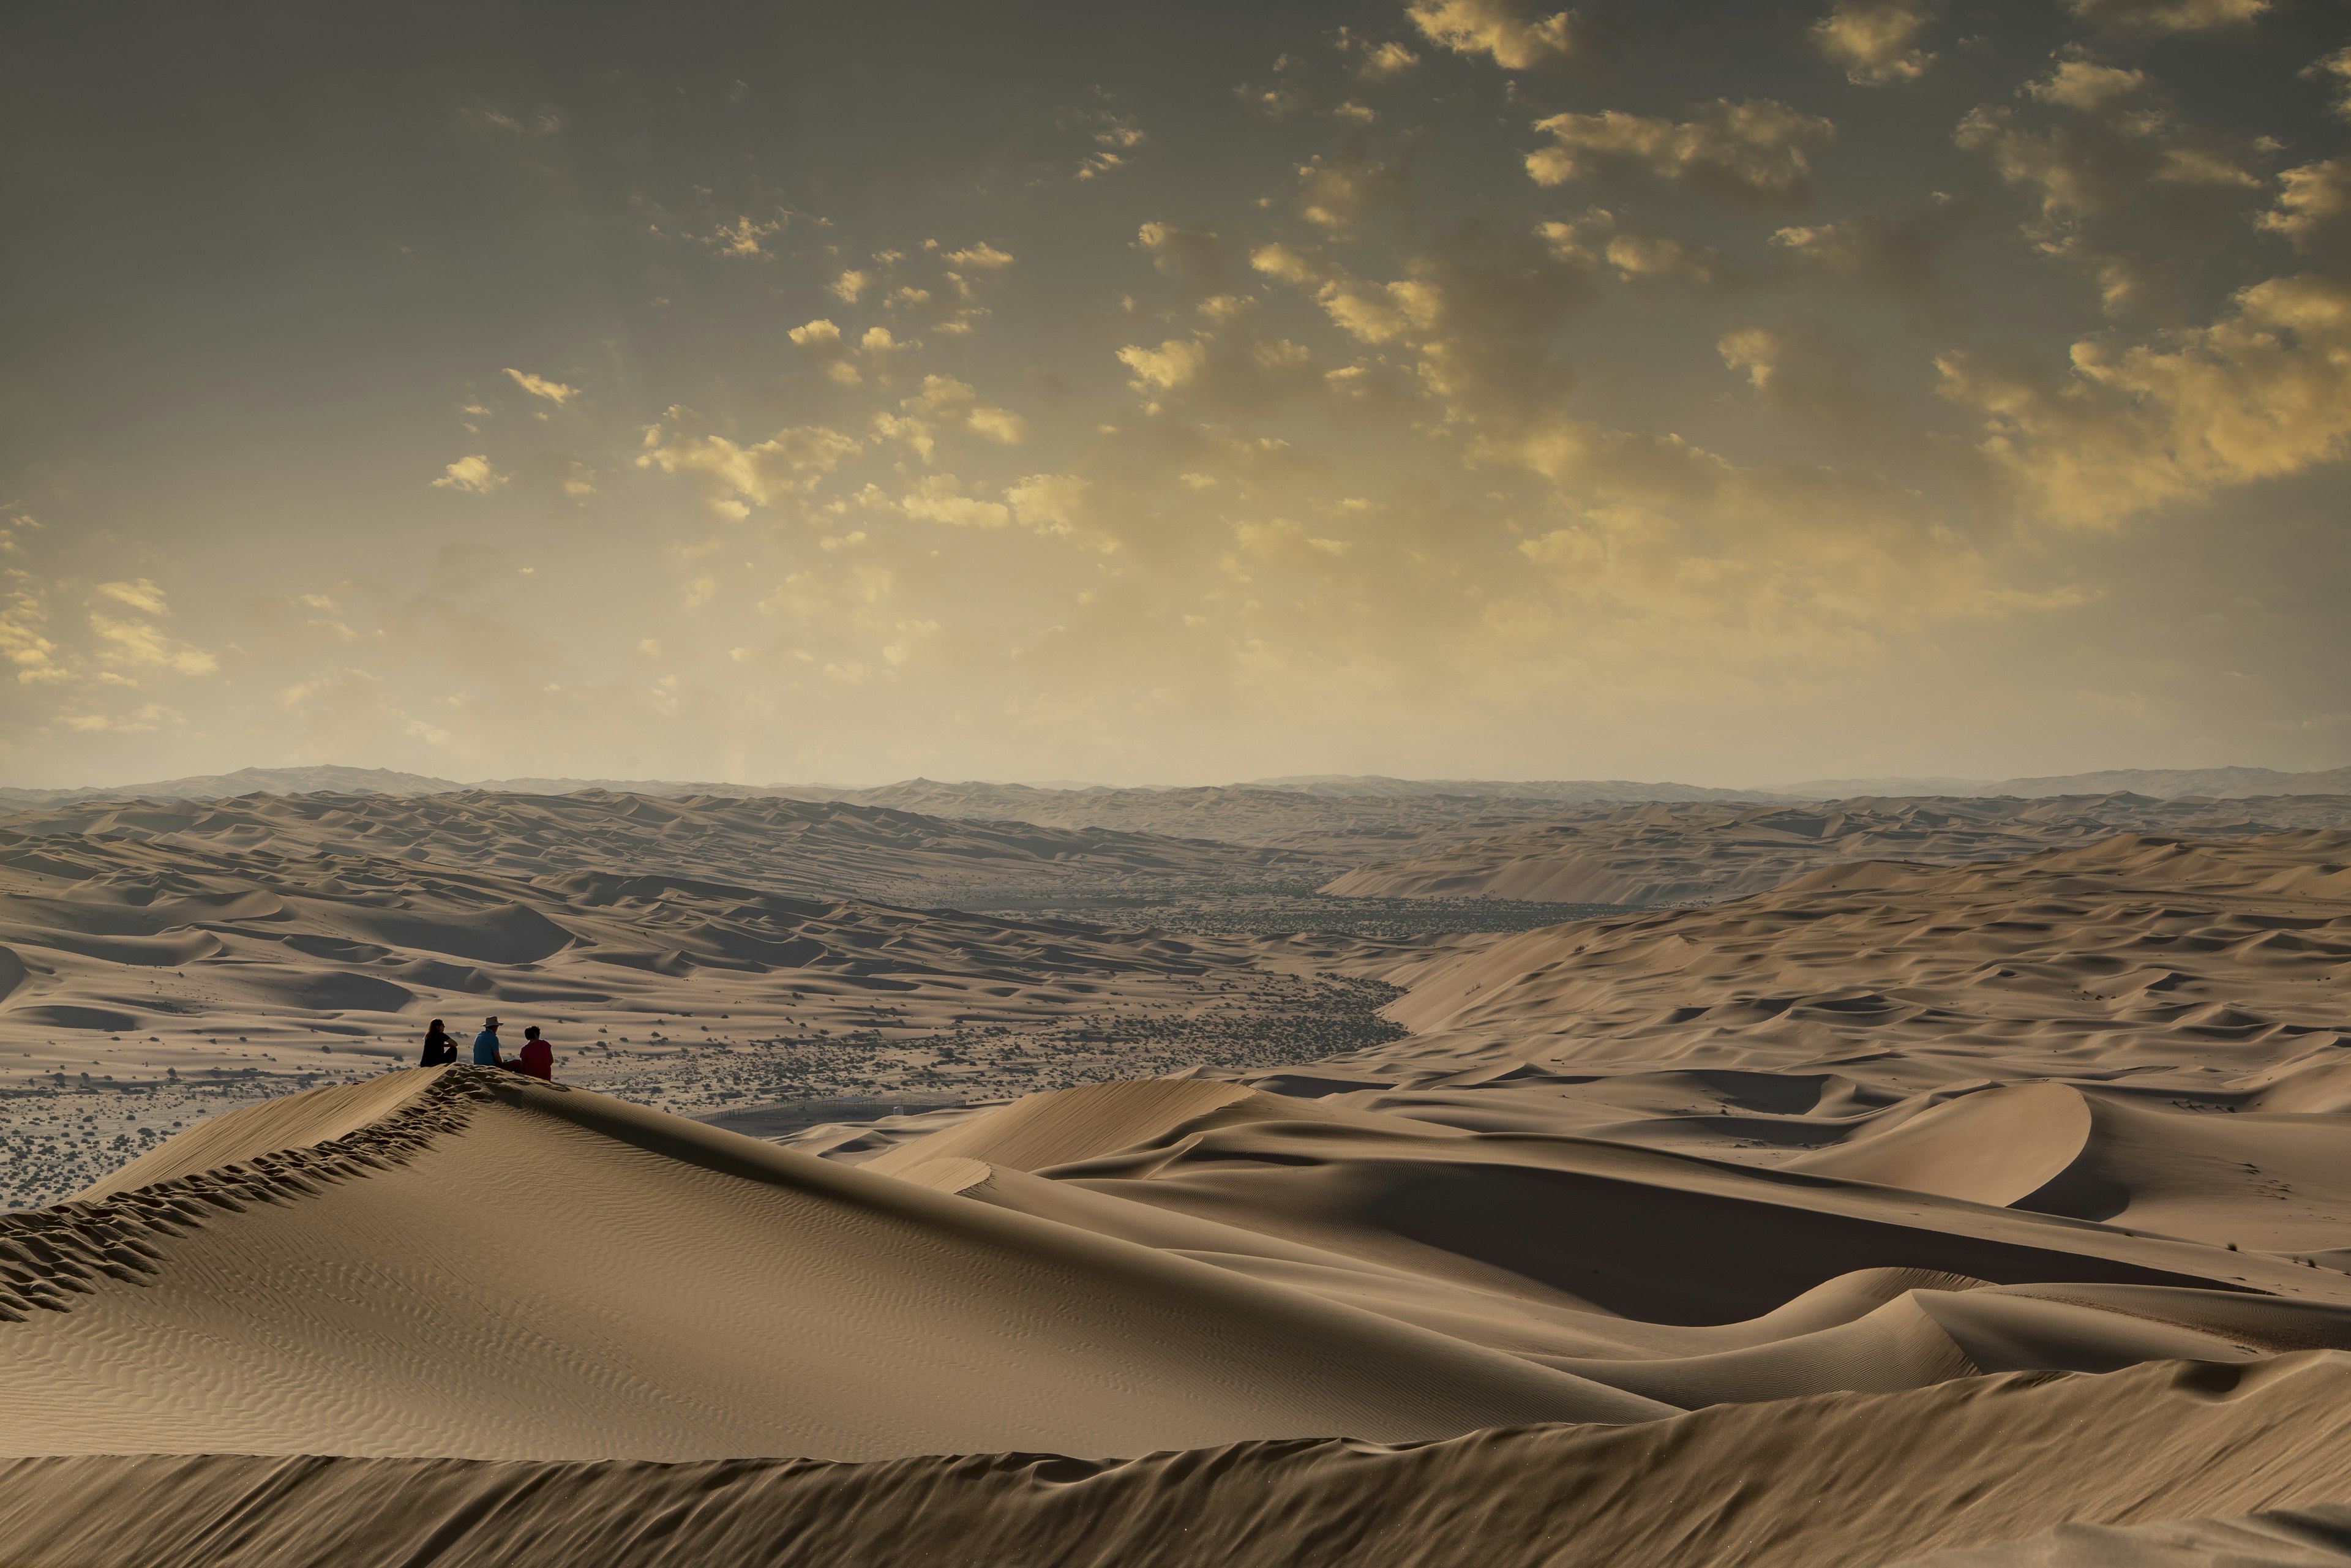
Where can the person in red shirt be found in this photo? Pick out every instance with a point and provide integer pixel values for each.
(537, 1057)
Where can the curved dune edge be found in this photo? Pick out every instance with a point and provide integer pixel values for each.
(533, 1273)
(1843, 1478)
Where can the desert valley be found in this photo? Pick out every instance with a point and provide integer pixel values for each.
(1335, 784)
(1313, 1184)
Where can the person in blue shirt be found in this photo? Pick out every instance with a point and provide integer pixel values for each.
(486, 1044)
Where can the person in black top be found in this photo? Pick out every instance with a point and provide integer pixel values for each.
(440, 1049)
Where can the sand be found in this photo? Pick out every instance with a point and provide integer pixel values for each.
(1683, 854)
(1902, 1209)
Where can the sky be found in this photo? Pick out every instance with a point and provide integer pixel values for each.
(1727, 392)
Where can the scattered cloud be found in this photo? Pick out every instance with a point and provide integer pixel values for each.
(981, 257)
(747, 236)
(1375, 60)
(2168, 16)
(553, 392)
(2262, 392)
(2338, 66)
(1751, 151)
(2314, 196)
(1876, 42)
(821, 340)
(474, 475)
(736, 477)
(1507, 32)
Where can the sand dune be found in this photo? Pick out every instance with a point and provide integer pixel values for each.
(1873, 1479)
(1903, 1208)
(1654, 855)
(153, 970)
(803, 848)
(440, 1282)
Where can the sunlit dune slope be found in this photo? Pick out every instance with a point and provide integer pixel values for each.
(496, 1268)
(1842, 1479)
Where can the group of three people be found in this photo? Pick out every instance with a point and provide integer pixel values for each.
(537, 1057)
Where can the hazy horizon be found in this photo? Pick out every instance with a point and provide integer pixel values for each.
(1448, 389)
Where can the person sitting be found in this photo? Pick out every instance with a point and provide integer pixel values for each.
(440, 1047)
(486, 1044)
(537, 1057)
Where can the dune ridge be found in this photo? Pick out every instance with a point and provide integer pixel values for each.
(1838, 1478)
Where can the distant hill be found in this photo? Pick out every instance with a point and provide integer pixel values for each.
(327, 778)
(1571, 792)
(2161, 783)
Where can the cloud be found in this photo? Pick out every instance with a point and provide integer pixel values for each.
(980, 257)
(2315, 196)
(1116, 136)
(2338, 66)
(1280, 261)
(1653, 256)
(939, 498)
(746, 237)
(143, 595)
(999, 426)
(544, 122)
(125, 642)
(1875, 41)
(24, 641)
(1337, 192)
(1171, 364)
(1753, 151)
(1193, 257)
(1505, 31)
(2168, 16)
(849, 286)
(555, 393)
(945, 399)
(1898, 253)
(1374, 61)
(473, 474)
(2263, 392)
(821, 340)
(736, 477)
(1049, 503)
(147, 716)
(2092, 141)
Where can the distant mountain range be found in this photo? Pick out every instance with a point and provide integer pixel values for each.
(1050, 801)
(2159, 783)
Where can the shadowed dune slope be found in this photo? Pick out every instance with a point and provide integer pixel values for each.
(1842, 1479)
(2315, 1537)
(502, 1269)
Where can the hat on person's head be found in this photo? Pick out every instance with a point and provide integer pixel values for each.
(491, 1021)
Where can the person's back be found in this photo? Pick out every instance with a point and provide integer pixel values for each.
(537, 1057)
(486, 1045)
